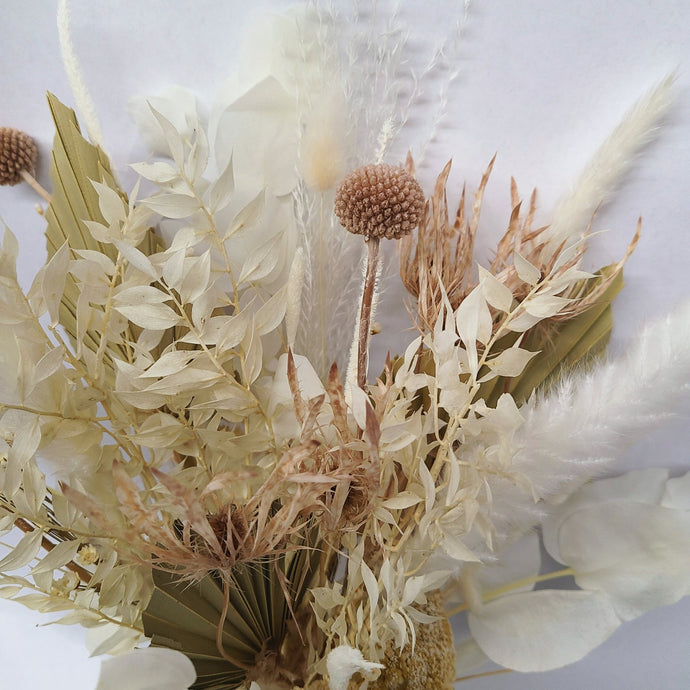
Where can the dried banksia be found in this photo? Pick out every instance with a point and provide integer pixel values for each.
(376, 201)
(17, 155)
(379, 201)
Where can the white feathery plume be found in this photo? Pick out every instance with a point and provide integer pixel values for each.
(294, 296)
(362, 116)
(610, 162)
(331, 282)
(343, 662)
(578, 430)
(82, 98)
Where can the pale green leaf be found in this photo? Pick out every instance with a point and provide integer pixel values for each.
(172, 205)
(495, 292)
(271, 313)
(543, 630)
(248, 215)
(637, 553)
(525, 270)
(59, 555)
(153, 316)
(53, 283)
(23, 553)
(111, 204)
(160, 173)
(404, 499)
(146, 669)
(510, 362)
(221, 191)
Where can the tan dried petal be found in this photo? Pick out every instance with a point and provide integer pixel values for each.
(17, 154)
(379, 201)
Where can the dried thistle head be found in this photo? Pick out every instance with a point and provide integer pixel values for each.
(436, 262)
(17, 154)
(379, 201)
(438, 258)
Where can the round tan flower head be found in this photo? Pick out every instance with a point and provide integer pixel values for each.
(17, 154)
(379, 201)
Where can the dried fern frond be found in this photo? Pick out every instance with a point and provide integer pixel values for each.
(239, 622)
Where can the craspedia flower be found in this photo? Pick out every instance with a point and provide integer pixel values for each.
(17, 154)
(379, 201)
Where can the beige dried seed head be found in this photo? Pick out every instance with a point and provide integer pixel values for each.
(379, 201)
(17, 154)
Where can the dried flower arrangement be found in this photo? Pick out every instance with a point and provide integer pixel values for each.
(234, 483)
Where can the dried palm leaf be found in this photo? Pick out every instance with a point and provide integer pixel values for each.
(563, 344)
(75, 164)
(230, 623)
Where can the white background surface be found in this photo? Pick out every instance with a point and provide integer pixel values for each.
(541, 82)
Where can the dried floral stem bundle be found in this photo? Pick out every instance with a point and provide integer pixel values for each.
(186, 463)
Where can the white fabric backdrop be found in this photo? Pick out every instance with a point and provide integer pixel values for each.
(540, 82)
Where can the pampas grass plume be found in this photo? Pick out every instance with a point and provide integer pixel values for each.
(580, 429)
(611, 161)
(324, 142)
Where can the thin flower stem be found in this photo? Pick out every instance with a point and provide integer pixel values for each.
(33, 183)
(498, 672)
(365, 313)
(106, 316)
(517, 584)
(321, 291)
(221, 244)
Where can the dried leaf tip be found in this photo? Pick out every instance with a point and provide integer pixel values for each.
(18, 154)
(379, 201)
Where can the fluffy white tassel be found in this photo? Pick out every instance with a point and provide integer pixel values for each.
(82, 98)
(293, 309)
(343, 662)
(612, 160)
(579, 430)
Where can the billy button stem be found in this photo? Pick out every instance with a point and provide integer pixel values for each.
(376, 201)
(18, 155)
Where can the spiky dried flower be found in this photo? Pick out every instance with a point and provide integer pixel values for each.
(436, 261)
(379, 201)
(18, 154)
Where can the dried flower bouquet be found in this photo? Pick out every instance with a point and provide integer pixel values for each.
(235, 483)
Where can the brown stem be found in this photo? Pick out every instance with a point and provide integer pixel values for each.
(83, 574)
(365, 313)
(31, 180)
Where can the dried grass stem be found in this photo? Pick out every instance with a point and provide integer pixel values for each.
(34, 184)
